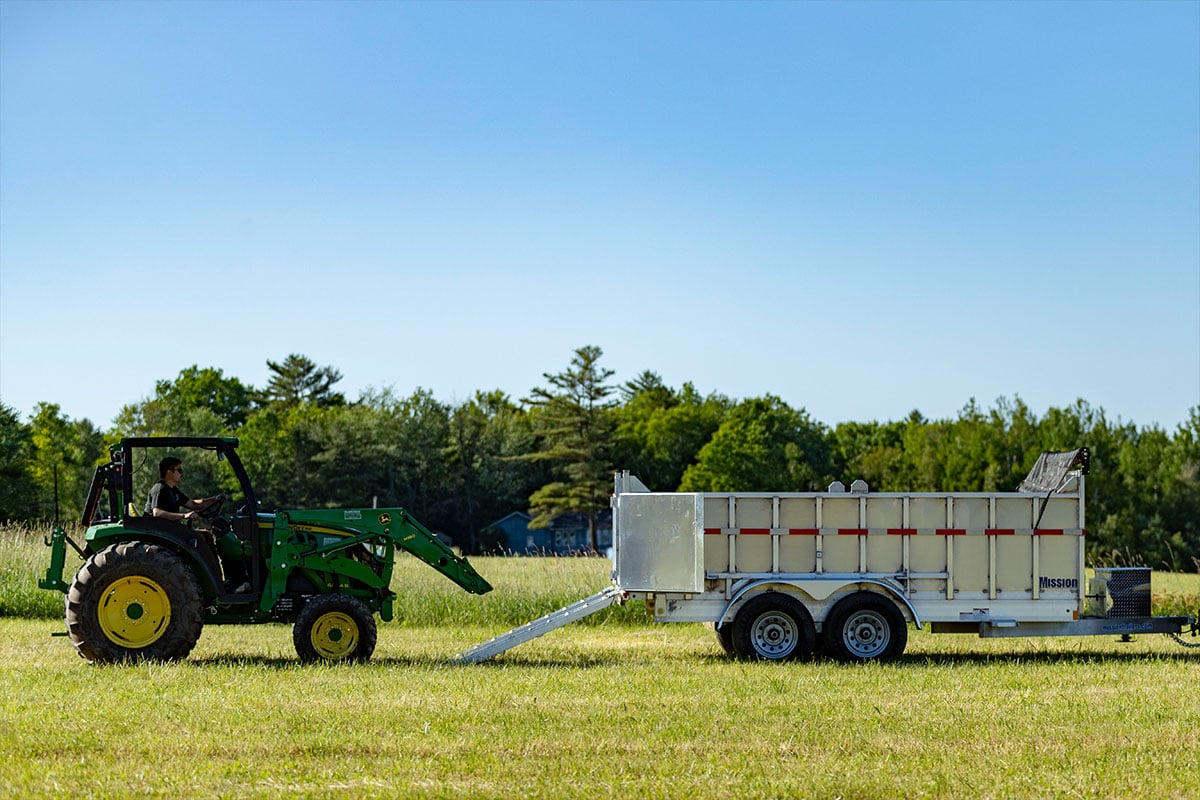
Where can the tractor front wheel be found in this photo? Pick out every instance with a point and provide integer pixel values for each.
(134, 601)
(334, 627)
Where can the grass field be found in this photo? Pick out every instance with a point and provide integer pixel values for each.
(617, 708)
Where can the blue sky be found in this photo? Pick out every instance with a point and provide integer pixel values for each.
(862, 208)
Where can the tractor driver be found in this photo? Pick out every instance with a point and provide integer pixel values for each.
(166, 501)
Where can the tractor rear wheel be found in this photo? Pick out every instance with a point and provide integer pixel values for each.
(134, 601)
(334, 627)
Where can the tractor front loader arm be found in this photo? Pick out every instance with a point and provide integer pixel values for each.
(388, 527)
(410, 535)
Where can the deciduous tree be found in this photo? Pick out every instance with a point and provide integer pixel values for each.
(17, 489)
(486, 433)
(198, 402)
(763, 445)
(660, 431)
(65, 454)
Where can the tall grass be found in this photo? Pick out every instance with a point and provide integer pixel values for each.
(523, 589)
(23, 560)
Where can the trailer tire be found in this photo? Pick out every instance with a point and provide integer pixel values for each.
(724, 636)
(334, 627)
(134, 601)
(865, 626)
(773, 627)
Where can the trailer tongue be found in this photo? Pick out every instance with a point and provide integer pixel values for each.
(783, 575)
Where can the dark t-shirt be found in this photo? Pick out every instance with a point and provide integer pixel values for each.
(166, 498)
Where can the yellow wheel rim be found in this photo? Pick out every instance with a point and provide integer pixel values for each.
(334, 635)
(134, 612)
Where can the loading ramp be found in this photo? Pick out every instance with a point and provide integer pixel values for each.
(541, 626)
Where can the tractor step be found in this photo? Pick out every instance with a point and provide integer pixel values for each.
(540, 627)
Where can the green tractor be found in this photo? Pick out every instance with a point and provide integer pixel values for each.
(149, 584)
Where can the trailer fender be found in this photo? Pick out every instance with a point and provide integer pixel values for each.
(817, 590)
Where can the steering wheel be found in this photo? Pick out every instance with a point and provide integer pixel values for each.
(212, 510)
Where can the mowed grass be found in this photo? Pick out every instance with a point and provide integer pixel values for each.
(619, 708)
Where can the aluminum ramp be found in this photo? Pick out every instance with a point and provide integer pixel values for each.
(540, 627)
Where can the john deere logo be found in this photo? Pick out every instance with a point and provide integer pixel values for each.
(384, 519)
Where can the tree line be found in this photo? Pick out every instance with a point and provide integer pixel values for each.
(459, 467)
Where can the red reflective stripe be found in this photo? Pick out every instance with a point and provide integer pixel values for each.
(902, 531)
(804, 531)
(1048, 532)
(1000, 531)
(754, 531)
(712, 531)
(852, 531)
(951, 531)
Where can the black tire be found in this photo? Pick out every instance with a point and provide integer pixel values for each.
(724, 636)
(865, 627)
(134, 601)
(773, 627)
(334, 627)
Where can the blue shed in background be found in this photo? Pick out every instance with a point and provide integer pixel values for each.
(567, 534)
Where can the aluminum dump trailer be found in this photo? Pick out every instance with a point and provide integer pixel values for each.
(783, 575)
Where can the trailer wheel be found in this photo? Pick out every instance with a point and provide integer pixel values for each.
(773, 627)
(865, 627)
(134, 601)
(334, 627)
(724, 636)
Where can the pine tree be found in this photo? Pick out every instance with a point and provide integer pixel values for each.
(575, 426)
(299, 380)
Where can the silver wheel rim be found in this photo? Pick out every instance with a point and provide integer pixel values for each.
(774, 635)
(866, 634)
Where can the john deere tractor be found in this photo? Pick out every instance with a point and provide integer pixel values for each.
(149, 585)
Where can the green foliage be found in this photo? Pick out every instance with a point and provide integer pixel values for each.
(660, 431)
(763, 445)
(298, 380)
(199, 402)
(65, 453)
(487, 436)
(17, 493)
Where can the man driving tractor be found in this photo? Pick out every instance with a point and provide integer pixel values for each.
(166, 498)
(167, 501)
